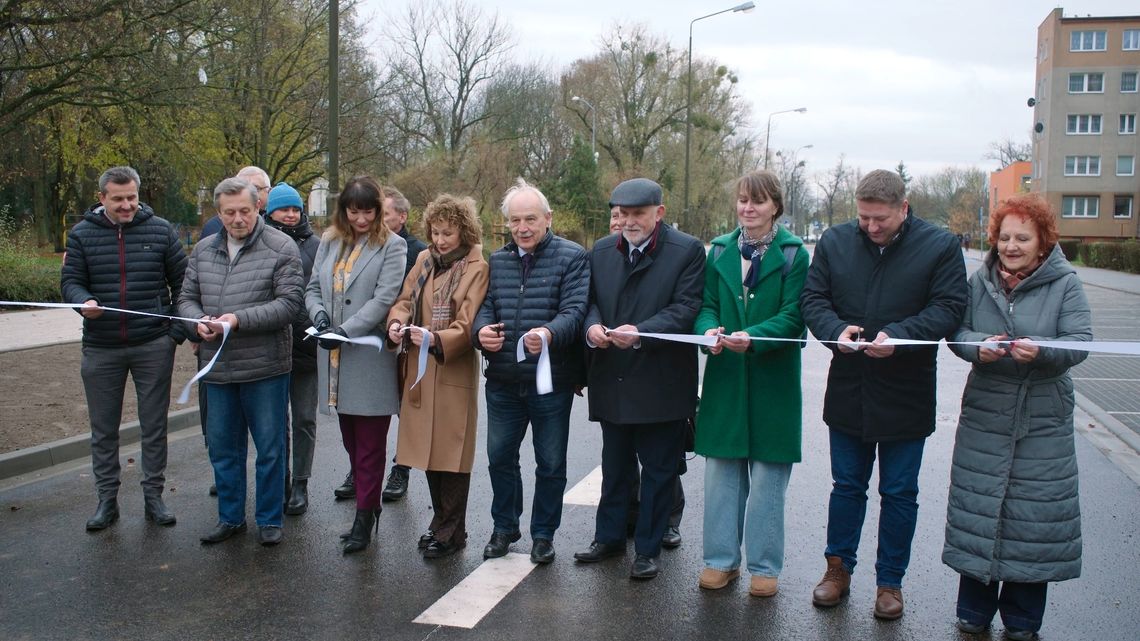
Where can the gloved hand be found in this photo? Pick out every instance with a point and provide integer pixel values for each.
(321, 322)
(329, 343)
(178, 331)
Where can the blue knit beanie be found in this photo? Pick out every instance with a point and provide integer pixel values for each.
(283, 196)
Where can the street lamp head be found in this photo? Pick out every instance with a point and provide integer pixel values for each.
(800, 110)
(746, 7)
(576, 99)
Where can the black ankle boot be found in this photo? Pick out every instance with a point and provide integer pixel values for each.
(361, 534)
(298, 497)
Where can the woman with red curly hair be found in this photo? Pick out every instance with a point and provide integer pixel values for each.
(1013, 519)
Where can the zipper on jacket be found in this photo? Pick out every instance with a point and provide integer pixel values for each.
(122, 284)
(518, 311)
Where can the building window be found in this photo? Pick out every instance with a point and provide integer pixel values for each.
(1080, 206)
(1087, 41)
(1131, 40)
(1128, 82)
(1086, 83)
(1083, 124)
(1125, 165)
(1127, 123)
(1082, 165)
(1122, 207)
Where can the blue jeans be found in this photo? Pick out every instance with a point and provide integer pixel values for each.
(509, 410)
(852, 461)
(744, 501)
(260, 405)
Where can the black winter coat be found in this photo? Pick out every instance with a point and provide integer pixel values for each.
(415, 246)
(304, 351)
(554, 296)
(661, 294)
(137, 266)
(915, 288)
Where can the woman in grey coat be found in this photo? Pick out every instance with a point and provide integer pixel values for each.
(356, 276)
(1013, 520)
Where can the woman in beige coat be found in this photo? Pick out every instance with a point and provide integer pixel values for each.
(442, 294)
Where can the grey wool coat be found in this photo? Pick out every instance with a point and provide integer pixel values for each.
(367, 383)
(1013, 512)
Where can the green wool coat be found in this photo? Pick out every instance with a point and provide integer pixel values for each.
(751, 403)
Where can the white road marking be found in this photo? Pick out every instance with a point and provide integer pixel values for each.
(475, 596)
(588, 491)
(467, 603)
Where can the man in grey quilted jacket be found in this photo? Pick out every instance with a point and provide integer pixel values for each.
(246, 282)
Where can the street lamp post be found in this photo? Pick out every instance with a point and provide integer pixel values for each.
(768, 131)
(593, 124)
(792, 183)
(747, 6)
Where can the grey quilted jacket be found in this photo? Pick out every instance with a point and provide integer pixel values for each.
(263, 288)
(1013, 512)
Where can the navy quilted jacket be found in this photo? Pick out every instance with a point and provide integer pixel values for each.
(554, 296)
(137, 266)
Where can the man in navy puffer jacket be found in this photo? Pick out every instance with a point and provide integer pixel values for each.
(539, 285)
(122, 255)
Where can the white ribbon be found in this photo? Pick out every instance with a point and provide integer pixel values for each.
(372, 341)
(1103, 347)
(423, 359)
(184, 397)
(542, 378)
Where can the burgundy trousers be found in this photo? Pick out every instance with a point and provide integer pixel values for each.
(366, 439)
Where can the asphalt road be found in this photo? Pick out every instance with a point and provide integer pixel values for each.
(140, 581)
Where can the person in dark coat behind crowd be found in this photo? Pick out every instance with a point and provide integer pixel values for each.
(1013, 519)
(887, 274)
(284, 211)
(122, 255)
(396, 209)
(648, 279)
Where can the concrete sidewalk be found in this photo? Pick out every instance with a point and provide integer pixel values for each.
(39, 328)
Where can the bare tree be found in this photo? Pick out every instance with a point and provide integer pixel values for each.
(1007, 152)
(831, 186)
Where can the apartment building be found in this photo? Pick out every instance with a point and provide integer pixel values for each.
(1085, 106)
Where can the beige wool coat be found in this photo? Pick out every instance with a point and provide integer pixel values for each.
(438, 416)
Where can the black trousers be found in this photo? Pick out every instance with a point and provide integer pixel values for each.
(658, 447)
(449, 491)
(1022, 605)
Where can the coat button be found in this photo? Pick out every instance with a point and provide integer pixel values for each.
(621, 378)
(752, 295)
(347, 302)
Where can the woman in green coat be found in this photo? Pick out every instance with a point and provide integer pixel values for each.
(748, 425)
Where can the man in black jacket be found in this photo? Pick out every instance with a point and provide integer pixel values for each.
(122, 255)
(537, 292)
(395, 216)
(648, 279)
(886, 275)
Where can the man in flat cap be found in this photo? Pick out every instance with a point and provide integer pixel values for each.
(647, 279)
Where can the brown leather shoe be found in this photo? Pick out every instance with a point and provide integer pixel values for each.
(713, 579)
(888, 604)
(835, 584)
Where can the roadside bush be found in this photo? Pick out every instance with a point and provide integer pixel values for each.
(24, 274)
(1132, 257)
(1070, 248)
(1121, 257)
(1085, 252)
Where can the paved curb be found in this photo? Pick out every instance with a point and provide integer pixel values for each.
(1118, 429)
(39, 457)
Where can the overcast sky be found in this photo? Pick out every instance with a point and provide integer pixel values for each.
(929, 83)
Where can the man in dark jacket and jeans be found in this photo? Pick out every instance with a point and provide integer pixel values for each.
(122, 255)
(538, 291)
(885, 275)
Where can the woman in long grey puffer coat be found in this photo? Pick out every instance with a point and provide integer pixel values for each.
(1013, 520)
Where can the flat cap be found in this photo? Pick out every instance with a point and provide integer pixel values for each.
(636, 192)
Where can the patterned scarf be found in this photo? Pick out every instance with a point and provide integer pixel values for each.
(753, 250)
(1010, 280)
(341, 271)
(450, 266)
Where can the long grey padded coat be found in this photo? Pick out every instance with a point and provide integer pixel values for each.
(1013, 512)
